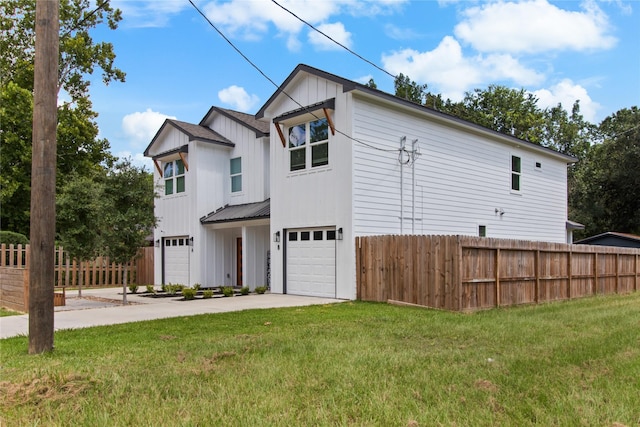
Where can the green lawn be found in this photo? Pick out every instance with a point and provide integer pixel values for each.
(6, 312)
(572, 363)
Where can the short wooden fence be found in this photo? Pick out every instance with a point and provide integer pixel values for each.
(462, 273)
(100, 272)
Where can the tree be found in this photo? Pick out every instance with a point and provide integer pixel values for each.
(607, 192)
(568, 134)
(79, 149)
(129, 218)
(409, 89)
(80, 207)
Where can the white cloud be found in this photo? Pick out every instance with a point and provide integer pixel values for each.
(238, 98)
(336, 31)
(140, 128)
(149, 13)
(251, 19)
(364, 79)
(534, 26)
(567, 92)
(397, 33)
(447, 71)
(137, 159)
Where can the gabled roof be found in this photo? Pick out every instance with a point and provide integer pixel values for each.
(245, 212)
(610, 234)
(349, 85)
(259, 127)
(194, 132)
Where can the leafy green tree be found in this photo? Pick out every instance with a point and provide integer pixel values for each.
(509, 111)
(606, 196)
(409, 89)
(372, 84)
(129, 192)
(568, 134)
(79, 217)
(79, 148)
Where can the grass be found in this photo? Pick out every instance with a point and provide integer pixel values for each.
(6, 312)
(363, 364)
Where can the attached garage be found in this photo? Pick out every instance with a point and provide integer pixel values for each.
(311, 262)
(175, 268)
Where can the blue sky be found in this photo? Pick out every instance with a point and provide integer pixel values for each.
(178, 66)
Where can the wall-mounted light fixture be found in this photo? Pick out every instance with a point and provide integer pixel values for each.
(339, 236)
(191, 241)
(157, 243)
(276, 237)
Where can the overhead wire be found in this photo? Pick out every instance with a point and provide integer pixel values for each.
(83, 20)
(305, 108)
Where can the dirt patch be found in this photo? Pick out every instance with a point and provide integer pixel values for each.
(49, 388)
(486, 385)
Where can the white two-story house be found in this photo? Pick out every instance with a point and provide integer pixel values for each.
(325, 160)
(212, 181)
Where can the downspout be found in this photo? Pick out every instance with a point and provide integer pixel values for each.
(401, 161)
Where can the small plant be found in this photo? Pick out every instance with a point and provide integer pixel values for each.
(172, 289)
(179, 288)
(164, 287)
(133, 288)
(150, 289)
(207, 294)
(197, 287)
(189, 293)
(244, 290)
(227, 291)
(261, 290)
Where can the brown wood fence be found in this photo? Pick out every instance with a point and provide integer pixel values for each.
(95, 273)
(462, 273)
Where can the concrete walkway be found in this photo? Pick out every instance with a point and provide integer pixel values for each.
(104, 307)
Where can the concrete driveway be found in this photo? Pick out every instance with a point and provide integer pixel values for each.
(104, 307)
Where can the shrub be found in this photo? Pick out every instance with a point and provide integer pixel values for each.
(227, 291)
(172, 289)
(13, 238)
(164, 288)
(207, 294)
(196, 286)
(244, 290)
(133, 288)
(150, 289)
(189, 293)
(261, 289)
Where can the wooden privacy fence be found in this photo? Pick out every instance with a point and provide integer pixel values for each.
(98, 272)
(463, 273)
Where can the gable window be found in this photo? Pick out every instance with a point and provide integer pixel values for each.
(315, 135)
(516, 172)
(173, 177)
(236, 174)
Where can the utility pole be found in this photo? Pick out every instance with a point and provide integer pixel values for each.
(43, 177)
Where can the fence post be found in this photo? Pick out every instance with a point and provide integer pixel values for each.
(595, 273)
(497, 277)
(569, 256)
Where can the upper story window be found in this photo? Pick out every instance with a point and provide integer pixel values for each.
(516, 172)
(173, 177)
(309, 145)
(236, 174)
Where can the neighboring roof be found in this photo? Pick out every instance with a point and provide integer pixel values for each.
(249, 120)
(627, 240)
(349, 85)
(194, 132)
(245, 212)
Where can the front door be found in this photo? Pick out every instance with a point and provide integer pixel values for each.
(239, 261)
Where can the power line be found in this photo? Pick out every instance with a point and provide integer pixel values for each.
(278, 87)
(83, 20)
(335, 41)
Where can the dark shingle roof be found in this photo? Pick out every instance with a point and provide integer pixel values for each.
(249, 120)
(194, 132)
(247, 211)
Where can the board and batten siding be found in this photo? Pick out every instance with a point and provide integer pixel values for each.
(315, 197)
(461, 178)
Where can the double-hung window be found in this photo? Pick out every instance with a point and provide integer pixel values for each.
(516, 172)
(236, 174)
(173, 177)
(315, 135)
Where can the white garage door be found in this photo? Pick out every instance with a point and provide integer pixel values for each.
(311, 262)
(176, 260)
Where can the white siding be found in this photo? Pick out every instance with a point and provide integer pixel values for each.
(460, 180)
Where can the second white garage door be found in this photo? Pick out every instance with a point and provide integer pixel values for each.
(311, 262)
(176, 260)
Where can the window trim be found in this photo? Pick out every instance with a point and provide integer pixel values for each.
(308, 147)
(235, 175)
(177, 174)
(516, 173)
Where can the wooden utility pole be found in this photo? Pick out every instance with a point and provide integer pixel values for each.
(43, 177)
